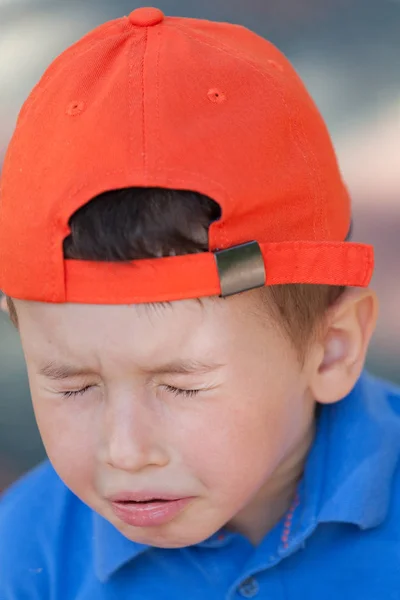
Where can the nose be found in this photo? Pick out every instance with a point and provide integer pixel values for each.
(132, 437)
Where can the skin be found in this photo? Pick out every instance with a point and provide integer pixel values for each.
(128, 420)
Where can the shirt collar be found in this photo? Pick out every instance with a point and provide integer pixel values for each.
(111, 549)
(347, 478)
(350, 468)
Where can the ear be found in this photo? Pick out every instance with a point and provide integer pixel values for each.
(343, 346)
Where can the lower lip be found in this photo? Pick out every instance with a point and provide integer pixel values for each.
(150, 514)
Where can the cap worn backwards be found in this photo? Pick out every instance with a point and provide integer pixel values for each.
(155, 101)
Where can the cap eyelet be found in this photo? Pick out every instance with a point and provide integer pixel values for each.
(216, 96)
(75, 108)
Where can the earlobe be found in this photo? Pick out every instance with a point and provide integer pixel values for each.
(346, 336)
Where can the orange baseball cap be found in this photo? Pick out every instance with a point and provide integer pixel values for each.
(154, 101)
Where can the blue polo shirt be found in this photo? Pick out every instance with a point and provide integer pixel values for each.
(341, 539)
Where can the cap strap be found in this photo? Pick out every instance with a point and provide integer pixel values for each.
(197, 275)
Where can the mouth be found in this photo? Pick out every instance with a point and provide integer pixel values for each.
(148, 511)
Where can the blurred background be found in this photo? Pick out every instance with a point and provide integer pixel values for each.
(347, 52)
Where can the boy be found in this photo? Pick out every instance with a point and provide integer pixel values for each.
(173, 249)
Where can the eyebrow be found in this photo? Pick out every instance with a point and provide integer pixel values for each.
(185, 367)
(56, 371)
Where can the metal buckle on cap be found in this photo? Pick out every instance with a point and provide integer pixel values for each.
(240, 268)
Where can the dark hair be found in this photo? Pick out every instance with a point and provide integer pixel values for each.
(137, 223)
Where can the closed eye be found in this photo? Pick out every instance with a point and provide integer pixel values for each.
(74, 393)
(181, 392)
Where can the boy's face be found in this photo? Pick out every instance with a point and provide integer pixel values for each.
(204, 403)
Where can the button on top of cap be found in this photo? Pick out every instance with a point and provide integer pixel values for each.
(146, 17)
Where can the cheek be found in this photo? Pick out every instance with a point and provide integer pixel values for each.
(238, 442)
(68, 437)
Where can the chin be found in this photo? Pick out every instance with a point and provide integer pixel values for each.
(168, 537)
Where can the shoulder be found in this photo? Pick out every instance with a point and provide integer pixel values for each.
(32, 481)
(382, 400)
(22, 515)
(31, 501)
(384, 405)
(34, 513)
(392, 395)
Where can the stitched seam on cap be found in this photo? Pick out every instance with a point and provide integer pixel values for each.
(157, 124)
(144, 136)
(51, 274)
(131, 299)
(209, 41)
(73, 192)
(369, 266)
(316, 181)
(198, 176)
(130, 101)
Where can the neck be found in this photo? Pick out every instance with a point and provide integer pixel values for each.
(276, 496)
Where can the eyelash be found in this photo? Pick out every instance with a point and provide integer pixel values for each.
(76, 393)
(179, 392)
(168, 388)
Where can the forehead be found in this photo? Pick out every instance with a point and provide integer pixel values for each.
(140, 332)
